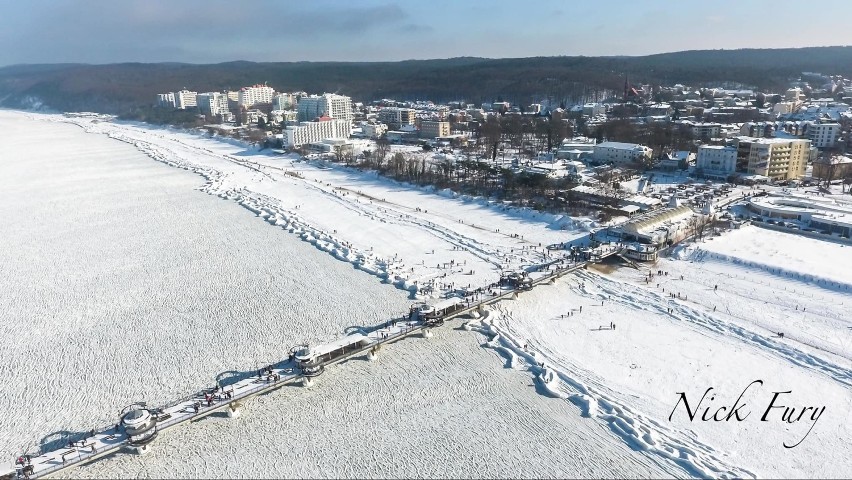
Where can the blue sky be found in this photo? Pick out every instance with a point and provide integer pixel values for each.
(205, 31)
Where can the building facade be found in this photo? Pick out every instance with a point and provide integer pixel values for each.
(185, 99)
(255, 95)
(619, 152)
(833, 168)
(374, 130)
(311, 132)
(328, 104)
(430, 129)
(396, 117)
(824, 135)
(776, 158)
(166, 100)
(284, 101)
(716, 161)
(706, 130)
(212, 103)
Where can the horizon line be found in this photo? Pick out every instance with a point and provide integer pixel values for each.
(72, 63)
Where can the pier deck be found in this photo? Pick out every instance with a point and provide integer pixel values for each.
(108, 440)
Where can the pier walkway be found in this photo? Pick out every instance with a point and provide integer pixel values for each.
(230, 398)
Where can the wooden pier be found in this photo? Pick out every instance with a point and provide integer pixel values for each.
(231, 398)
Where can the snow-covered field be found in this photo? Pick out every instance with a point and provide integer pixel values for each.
(613, 388)
(723, 338)
(786, 254)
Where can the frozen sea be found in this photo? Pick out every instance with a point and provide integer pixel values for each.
(123, 282)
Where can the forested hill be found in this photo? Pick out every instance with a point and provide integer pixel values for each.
(115, 88)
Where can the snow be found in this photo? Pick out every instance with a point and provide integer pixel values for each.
(786, 253)
(381, 226)
(122, 283)
(603, 395)
(432, 408)
(628, 377)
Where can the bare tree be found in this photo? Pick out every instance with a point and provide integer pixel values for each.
(339, 153)
(382, 150)
(829, 170)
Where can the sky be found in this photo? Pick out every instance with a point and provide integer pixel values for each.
(211, 31)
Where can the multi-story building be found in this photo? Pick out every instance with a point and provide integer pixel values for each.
(284, 101)
(311, 132)
(255, 95)
(594, 109)
(823, 135)
(619, 152)
(716, 161)
(374, 130)
(185, 99)
(793, 94)
(212, 103)
(166, 100)
(776, 158)
(279, 116)
(706, 130)
(430, 129)
(396, 117)
(327, 104)
(834, 167)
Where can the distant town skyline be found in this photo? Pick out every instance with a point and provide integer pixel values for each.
(212, 31)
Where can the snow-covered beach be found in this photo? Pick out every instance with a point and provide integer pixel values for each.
(109, 249)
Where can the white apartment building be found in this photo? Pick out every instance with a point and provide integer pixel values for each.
(166, 100)
(594, 109)
(327, 104)
(279, 116)
(793, 94)
(213, 103)
(311, 132)
(717, 161)
(185, 99)
(706, 130)
(374, 130)
(254, 95)
(619, 152)
(576, 148)
(824, 135)
(284, 101)
(783, 108)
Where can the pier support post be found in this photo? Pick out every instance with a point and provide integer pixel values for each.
(235, 409)
(373, 353)
(140, 449)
